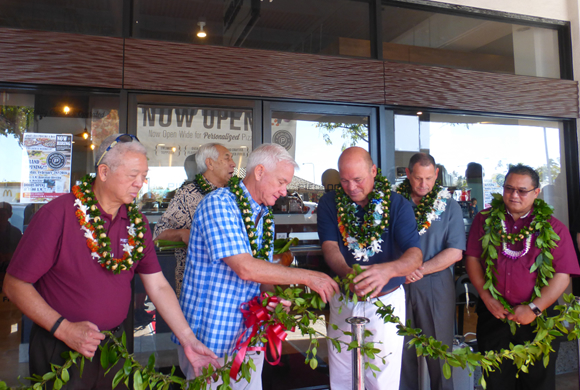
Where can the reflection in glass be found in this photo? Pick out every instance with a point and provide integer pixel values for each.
(430, 38)
(35, 142)
(173, 133)
(334, 27)
(316, 142)
(475, 153)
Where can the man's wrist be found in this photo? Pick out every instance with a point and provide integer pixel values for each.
(56, 325)
(535, 309)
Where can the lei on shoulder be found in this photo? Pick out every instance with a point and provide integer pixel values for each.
(364, 239)
(496, 236)
(431, 205)
(98, 242)
(246, 210)
(203, 185)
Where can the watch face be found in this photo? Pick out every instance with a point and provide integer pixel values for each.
(535, 309)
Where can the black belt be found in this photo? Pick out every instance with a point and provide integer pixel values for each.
(115, 329)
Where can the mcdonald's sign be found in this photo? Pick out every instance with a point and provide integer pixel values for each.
(7, 192)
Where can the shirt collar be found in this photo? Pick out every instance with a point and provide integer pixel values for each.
(122, 213)
(523, 216)
(256, 207)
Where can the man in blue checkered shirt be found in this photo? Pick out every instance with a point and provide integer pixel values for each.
(220, 271)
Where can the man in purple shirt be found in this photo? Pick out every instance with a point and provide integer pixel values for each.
(515, 282)
(70, 291)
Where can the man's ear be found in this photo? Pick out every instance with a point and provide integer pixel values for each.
(209, 163)
(103, 171)
(259, 172)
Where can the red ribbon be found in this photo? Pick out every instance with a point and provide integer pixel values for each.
(256, 316)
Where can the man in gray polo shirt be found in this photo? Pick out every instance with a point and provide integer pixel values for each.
(430, 288)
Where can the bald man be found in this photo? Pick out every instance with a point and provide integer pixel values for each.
(392, 253)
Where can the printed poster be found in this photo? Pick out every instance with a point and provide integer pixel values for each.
(46, 167)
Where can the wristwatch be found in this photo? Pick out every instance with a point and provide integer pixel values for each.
(535, 309)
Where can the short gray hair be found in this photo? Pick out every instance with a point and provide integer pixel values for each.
(114, 157)
(205, 151)
(269, 155)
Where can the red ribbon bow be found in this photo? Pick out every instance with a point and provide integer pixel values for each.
(256, 316)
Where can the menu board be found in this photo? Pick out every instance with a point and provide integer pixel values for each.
(46, 167)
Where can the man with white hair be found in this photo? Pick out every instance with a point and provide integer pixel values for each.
(215, 167)
(72, 272)
(225, 269)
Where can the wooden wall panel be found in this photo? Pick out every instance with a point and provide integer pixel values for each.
(165, 66)
(457, 89)
(41, 57)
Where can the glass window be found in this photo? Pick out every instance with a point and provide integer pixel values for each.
(172, 133)
(334, 27)
(172, 129)
(93, 17)
(42, 154)
(430, 38)
(475, 152)
(316, 142)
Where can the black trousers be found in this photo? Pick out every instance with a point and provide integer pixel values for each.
(493, 334)
(45, 349)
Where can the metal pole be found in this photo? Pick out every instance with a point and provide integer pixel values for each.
(358, 330)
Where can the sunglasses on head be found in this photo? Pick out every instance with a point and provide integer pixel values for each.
(123, 138)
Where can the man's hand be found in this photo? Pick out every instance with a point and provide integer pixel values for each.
(494, 306)
(184, 234)
(323, 284)
(285, 303)
(199, 355)
(83, 337)
(414, 276)
(522, 315)
(372, 279)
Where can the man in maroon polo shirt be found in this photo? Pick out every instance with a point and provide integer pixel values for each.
(57, 281)
(516, 283)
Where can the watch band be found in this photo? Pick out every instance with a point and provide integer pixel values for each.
(56, 325)
(535, 309)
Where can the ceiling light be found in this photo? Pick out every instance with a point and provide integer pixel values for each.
(201, 33)
(66, 110)
(419, 112)
(85, 134)
(92, 146)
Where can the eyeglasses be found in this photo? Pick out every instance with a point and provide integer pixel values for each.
(521, 193)
(123, 138)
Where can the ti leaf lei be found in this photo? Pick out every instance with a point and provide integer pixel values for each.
(364, 239)
(427, 208)
(203, 185)
(495, 235)
(96, 235)
(246, 210)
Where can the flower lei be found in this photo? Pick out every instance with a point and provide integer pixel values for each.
(246, 210)
(97, 240)
(203, 185)
(431, 205)
(364, 240)
(495, 234)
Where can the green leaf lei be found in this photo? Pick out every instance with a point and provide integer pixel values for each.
(376, 218)
(203, 185)
(494, 236)
(425, 206)
(97, 240)
(302, 316)
(246, 210)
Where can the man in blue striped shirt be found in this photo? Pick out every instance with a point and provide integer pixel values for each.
(222, 270)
